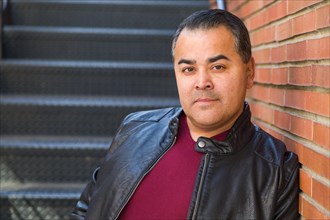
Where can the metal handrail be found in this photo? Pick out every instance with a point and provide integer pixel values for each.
(3, 10)
(1, 26)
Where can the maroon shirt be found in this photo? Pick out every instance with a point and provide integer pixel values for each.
(165, 192)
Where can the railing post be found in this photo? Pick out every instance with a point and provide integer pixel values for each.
(1, 26)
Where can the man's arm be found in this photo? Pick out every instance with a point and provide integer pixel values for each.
(288, 199)
(80, 210)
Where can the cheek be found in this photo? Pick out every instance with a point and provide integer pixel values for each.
(182, 85)
(183, 93)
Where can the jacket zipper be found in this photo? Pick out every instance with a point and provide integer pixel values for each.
(140, 180)
(200, 186)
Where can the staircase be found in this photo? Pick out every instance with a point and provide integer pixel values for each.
(70, 71)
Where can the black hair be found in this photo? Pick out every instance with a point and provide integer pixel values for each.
(212, 18)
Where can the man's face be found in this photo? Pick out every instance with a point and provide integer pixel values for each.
(211, 79)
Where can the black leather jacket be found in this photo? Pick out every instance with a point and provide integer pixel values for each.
(249, 176)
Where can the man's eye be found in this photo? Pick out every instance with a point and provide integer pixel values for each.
(188, 69)
(218, 67)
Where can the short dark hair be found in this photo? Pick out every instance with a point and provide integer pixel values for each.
(212, 18)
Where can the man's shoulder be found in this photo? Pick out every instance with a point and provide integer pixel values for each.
(154, 115)
(272, 149)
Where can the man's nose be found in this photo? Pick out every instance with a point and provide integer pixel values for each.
(203, 81)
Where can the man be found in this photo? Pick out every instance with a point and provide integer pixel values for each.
(205, 160)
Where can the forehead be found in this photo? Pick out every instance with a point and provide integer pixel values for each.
(213, 41)
(219, 34)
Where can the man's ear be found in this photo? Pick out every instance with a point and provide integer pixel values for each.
(250, 73)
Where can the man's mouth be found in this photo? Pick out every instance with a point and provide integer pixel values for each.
(205, 100)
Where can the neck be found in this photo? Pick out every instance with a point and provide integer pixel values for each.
(197, 132)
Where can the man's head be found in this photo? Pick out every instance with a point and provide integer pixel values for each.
(208, 19)
(213, 68)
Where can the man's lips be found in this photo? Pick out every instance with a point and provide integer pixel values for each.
(205, 97)
(205, 100)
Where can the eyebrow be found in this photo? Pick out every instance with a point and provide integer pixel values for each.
(186, 61)
(218, 57)
(210, 60)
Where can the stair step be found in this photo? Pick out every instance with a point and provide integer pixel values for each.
(38, 201)
(88, 101)
(50, 158)
(71, 115)
(55, 142)
(87, 78)
(106, 13)
(86, 44)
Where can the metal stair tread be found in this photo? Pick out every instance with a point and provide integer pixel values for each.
(85, 64)
(95, 101)
(176, 3)
(85, 30)
(55, 142)
(41, 190)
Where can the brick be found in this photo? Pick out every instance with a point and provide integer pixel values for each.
(283, 30)
(321, 194)
(309, 211)
(253, 6)
(317, 162)
(275, 134)
(260, 92)
(277, 96)
(246, 10)
(302, 127)
(282, 120)
(304, 23)
(305, 181)
(297, 51)
(232, 5)
(321, 76)
(317, 102)
(262, 113)
(269, 34)
(262, 56)
(321, 135)
(278, 10)
(279, 76)
(301, 76)
(297, 5)
(322, 17)
(256, 21)
(295, 99)
(262, 75)
(279, 54)
(263, 36)
(318, 49)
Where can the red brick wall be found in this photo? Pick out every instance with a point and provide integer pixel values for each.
(290, 98)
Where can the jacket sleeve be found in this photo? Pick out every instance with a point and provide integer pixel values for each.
(81, 207)
(288, 197)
